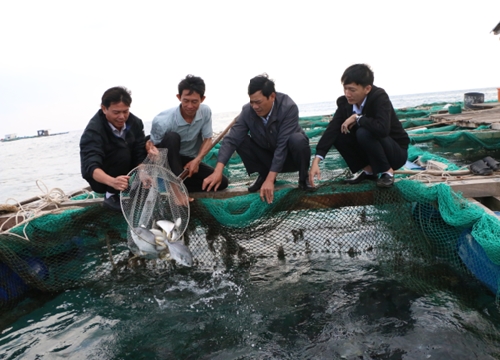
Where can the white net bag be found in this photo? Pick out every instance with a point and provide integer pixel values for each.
(156, 208)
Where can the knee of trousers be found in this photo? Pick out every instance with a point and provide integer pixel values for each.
(245, 145)
(298, 142)
(363, 136)
(170, 138)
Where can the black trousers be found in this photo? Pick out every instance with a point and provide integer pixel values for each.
(361, 148)
(176, 161)
(118, 163)
(257, 159)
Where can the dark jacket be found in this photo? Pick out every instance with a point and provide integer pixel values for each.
(378, 117)
(100, 148)
(283, 122)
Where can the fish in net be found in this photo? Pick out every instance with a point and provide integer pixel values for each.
(156, 208)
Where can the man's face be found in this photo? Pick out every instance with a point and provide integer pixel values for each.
(262, 105)
(117, 114)
(190, 103)
(355, 93)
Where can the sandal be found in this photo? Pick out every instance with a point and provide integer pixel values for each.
(492, 163)
(480, 167)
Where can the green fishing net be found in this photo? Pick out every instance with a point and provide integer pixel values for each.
(427, 237)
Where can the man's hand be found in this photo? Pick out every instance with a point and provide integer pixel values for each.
(314, 172)
(214, 179)
(193, 166)
(120, 183)
(146, 179)
(267, 191)
(152, 149)
(348, 124)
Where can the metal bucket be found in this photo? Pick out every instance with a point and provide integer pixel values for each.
(473, 98)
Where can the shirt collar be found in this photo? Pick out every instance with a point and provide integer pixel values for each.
(180, 120)
(118, 133)
(359, 110)
(266, 119)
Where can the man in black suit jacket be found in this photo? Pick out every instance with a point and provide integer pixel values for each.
(112, 144)
(365, 130)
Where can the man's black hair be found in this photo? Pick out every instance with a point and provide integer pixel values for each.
(262, 83)
(360, 74)
(116, 95)
(192, 84)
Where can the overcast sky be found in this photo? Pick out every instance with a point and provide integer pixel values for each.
(58, 57)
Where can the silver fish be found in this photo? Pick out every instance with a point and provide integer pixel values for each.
(180, 253)
(166, 226)
(144, 240)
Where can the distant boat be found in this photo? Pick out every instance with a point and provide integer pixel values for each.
(496, 29)
(41, 133)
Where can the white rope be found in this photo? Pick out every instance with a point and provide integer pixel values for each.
(28, 212)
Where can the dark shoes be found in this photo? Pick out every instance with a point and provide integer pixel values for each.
(112, 203)
(385, 180)
(362, 176)
(306, 186)
(492, 163)
(480, 167)
(257, 184)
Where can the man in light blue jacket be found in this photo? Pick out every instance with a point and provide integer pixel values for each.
(186, 131)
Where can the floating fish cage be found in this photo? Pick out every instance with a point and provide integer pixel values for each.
(425, 236)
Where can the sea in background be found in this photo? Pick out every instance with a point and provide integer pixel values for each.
(323, 306)
(35, 166)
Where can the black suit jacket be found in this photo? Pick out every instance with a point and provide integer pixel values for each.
(378, 117)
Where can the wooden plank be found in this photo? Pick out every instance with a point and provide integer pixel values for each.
(485, 208)
(491, 202)
(9, 221)
(474, 188)
(473, 118)
(489, 105)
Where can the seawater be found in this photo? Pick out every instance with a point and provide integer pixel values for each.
(320, 306)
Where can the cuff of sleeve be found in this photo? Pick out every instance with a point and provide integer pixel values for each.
(91, 171)
(321, 157)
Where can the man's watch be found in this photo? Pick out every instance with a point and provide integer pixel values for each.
(357, 118)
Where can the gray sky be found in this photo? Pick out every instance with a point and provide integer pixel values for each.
(58, 57)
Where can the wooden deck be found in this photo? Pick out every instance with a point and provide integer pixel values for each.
(472, 118)
(484, 190)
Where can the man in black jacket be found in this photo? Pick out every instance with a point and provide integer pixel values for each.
(112, 144)
(268, 138)
(365, 130)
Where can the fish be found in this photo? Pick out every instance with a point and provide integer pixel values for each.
(166, 226)
(144, 240)
(178, 251)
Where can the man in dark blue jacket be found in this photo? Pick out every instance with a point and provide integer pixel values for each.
(112, 144)
(365, 130)
(268, 138)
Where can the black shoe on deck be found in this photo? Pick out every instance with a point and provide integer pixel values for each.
(257, 184)
(306, 186)
(361, 177)
(112, 203)
(385, 180)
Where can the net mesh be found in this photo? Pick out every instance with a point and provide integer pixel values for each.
(428, 237)
(154, 194)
